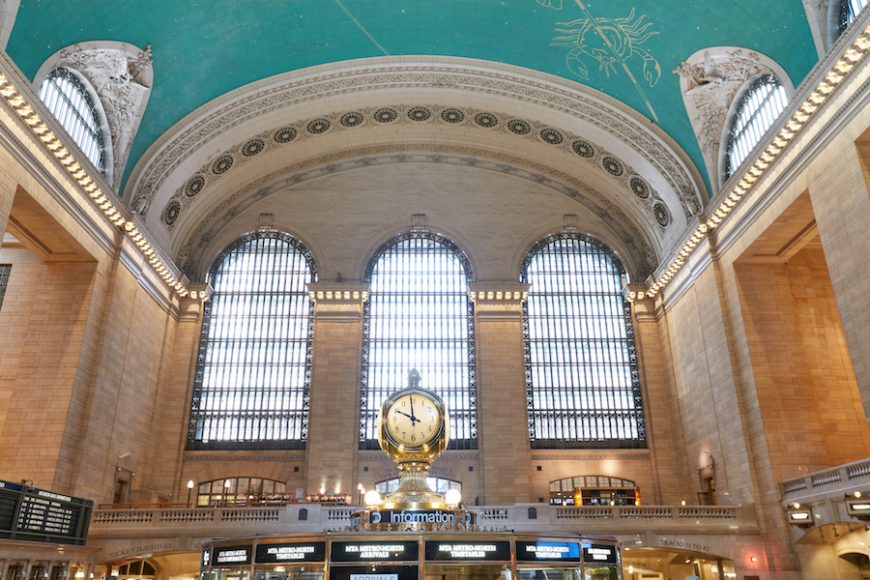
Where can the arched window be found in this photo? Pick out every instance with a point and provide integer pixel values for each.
(437, 484)
(70, 102)
(254, 364)
(581, 365)
(849, 11)
(761, 103)
(418, 315)
(241, 491)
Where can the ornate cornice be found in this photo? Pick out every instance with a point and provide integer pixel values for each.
(635, 239)
(296, 135)
(282, 93)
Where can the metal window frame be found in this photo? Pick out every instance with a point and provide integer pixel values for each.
(849, 11)
(743, 139)
(5, 274)
(70, 117)
(366, 442)
(198, 388)
(577, 415)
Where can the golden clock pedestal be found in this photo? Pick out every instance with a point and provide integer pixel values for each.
(413, 506)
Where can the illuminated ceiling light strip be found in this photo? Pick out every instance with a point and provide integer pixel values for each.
(799, 118)
(80, 175)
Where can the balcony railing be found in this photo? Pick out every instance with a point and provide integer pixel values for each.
(835, 481)
(241, 521)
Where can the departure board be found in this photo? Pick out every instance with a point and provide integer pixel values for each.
(38, 515)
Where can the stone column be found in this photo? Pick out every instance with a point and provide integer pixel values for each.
(333, 417)
(502, 413)
(7, 196)
(661, 411)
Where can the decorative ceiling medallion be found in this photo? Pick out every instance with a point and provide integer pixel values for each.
(452, 116)
(419, 114)
(612, 166)
(253, 147)
(222, 164)
(284, 135)
(583, 149)
(663, 216)
(639, 186)
(353, 119)
(486, 120)
(551, 136)
(194, 185)
(385, 115)
(172, 211)
(318, 126)
(519, 127)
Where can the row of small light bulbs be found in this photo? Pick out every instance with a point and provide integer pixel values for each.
(80, 175)
(853, 55)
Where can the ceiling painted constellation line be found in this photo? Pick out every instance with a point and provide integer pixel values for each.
(361, 28)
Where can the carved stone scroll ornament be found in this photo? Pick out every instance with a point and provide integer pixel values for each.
(122, 80)
(710, 80)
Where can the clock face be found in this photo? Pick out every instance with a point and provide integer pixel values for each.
(414, 420)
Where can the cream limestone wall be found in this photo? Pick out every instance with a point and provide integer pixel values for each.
(720, 388)
(81, 334)
(502, 424)
(42, 324)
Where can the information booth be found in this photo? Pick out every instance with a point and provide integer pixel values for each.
(413, 556)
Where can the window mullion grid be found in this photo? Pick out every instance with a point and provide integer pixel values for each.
(554, 426)
(573, 316)
(565, 383)
(604, 346)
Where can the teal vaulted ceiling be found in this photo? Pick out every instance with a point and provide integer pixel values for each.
(203, 49)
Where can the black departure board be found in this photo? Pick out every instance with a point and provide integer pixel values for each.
(39, 515)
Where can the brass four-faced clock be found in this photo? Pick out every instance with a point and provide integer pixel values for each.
(414, 420)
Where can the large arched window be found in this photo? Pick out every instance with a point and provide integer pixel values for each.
(849, 11)
(581, 364)
(418, 315)
(254, 364)
(762, 102)
(71, 103)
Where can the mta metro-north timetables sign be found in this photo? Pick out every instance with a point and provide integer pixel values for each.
(38, 515)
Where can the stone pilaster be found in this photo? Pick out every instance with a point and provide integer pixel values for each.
(333, 418)
(7, 196)
(661, 412)
(501, 391)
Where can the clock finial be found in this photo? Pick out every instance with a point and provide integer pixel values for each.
(413, 379)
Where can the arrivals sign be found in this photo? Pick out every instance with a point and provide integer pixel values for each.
(548, 551)
(459, 551)
(39, 515)
(599, 554)
(384, 551)
(289, 553)
(233, 555)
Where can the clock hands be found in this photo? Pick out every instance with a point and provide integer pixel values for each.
(414, 420)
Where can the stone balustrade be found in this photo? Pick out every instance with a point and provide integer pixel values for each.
(835, 482)
(243, 521)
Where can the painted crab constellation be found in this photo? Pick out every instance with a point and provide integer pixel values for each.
(612, 43)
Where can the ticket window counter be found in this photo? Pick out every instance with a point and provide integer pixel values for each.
(469, 571)
(602, 573)
(284, 572)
